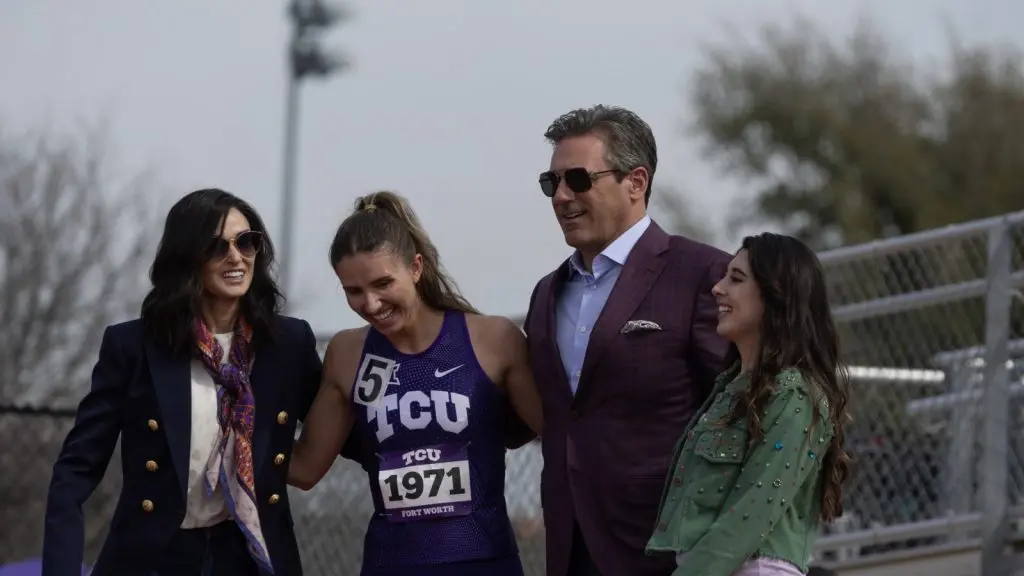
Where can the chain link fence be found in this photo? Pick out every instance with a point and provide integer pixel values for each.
(923, 320)
(330, 519)
(933, 330)
(30, 439)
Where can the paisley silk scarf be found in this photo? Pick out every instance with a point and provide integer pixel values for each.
(231, 466)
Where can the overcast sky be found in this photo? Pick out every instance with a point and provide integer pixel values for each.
(446, 103)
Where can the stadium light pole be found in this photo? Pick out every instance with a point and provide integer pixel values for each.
(307, 58)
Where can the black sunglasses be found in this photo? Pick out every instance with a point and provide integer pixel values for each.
(578, 180)
(248, 244)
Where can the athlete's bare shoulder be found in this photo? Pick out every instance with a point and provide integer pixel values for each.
(346, 344)
(492, 331)
(342, 357)
(497, 342)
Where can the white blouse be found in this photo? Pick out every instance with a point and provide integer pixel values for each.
(202, 509)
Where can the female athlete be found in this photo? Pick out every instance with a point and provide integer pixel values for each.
(424, 386)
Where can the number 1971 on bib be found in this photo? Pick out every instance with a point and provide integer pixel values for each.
(427, 490)
(413, 483)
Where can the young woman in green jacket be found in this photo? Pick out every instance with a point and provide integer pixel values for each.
(762, 463)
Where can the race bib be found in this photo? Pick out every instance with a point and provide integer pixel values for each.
(429, 482)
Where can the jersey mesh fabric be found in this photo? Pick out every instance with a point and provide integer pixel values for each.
(485, 533)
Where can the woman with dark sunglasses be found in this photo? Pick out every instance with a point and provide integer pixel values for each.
(204, 391)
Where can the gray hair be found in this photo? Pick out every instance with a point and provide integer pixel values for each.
(628, 140)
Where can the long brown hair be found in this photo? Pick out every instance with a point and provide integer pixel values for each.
(797, 331)
(385, 220)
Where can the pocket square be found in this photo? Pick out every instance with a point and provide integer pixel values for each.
(637, 325)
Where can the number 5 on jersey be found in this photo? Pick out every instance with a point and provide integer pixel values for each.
(372, 379)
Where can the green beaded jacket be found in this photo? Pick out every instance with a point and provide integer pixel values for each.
(727, 501)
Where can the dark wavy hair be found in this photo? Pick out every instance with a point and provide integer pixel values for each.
(170, 308)
(797, 331)
(385, 220)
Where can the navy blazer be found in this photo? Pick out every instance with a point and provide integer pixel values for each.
(142, 394)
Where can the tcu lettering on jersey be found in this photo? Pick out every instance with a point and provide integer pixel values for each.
(416, 411)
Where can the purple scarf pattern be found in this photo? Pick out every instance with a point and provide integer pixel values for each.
(231, 464)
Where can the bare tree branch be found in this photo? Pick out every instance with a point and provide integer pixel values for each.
(74, 245)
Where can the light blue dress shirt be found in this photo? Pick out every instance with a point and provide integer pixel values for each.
(584, 296)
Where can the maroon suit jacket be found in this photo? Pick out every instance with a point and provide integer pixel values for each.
(607, 449)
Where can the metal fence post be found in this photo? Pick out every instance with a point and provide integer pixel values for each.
(960, 472)
(995, 435)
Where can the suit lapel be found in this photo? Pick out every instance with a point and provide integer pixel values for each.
(262, 379)
(641, 270)
(172, 383)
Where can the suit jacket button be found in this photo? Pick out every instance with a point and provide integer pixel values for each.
(147, 505)
(151, 465)
(282, 417)
(274, 499)
(279, 459)
(153, 425)
(574, 414)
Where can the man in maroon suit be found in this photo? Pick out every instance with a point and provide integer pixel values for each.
(623, 347)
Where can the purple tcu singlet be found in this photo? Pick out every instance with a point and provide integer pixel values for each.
(431, 442)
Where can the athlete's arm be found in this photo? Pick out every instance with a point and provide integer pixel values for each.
(500, 348)
(330, 419)
(516, 433)
(517, 376)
